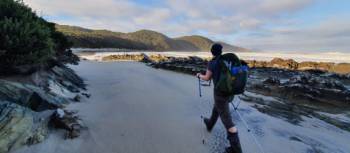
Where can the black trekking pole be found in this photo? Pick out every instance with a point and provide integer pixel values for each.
(246, 126)
(199, 86)
(200, 95)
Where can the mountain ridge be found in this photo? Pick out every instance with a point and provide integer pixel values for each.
(139, 40)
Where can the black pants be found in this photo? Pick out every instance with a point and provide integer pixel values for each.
(221, 109)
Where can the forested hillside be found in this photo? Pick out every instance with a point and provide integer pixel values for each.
(141, 40)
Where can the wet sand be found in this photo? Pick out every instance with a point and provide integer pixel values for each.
(135, 108)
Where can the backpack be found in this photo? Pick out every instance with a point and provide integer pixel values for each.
(233, 75)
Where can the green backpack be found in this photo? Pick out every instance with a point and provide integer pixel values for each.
(233, 75)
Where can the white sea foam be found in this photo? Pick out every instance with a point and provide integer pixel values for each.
(336, 57)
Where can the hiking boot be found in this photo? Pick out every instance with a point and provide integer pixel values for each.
(234, 142)
(232, 150)
(208, 125)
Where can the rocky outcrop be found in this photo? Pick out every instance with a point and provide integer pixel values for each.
(67, 78)
(295, 113)
(289, 64)
(305, 88)
(28, 104)
(288, 83)
(189, 65)
(69, 121)
(21, 126)
(16, 124)
(136, 57)
(129, 57)
(30, 96)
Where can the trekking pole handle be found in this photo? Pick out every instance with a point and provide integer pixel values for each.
(199, 87)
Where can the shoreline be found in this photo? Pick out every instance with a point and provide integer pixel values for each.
(279, 63)
(337, 57)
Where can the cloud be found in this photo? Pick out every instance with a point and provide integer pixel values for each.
(85, 8)
(121, 15)
(229, 16)
(153, 17)
(250, 24)
(272, 7)
(221, 16)
(332, 34)
(263, 24)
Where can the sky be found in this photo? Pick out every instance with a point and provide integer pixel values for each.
(266, 25)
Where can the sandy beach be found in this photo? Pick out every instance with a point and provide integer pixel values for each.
(135, 108)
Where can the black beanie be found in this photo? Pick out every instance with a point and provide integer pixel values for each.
(216, 49)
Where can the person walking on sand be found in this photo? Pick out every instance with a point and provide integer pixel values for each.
(221, 102)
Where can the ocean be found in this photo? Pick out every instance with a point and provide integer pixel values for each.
(335, 57)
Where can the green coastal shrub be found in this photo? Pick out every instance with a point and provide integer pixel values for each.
(27, 40)
(62, 46)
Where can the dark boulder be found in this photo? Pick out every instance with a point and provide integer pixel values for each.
(272, 81)
(30, 96)
(146, 58)
(69, 121)
(77, 98)
(87, 95)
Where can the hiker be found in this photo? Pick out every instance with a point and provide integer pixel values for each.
(221, 103)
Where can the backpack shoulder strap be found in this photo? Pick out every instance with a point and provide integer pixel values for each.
(232, 58)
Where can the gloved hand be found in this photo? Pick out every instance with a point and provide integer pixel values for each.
(198, 75)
